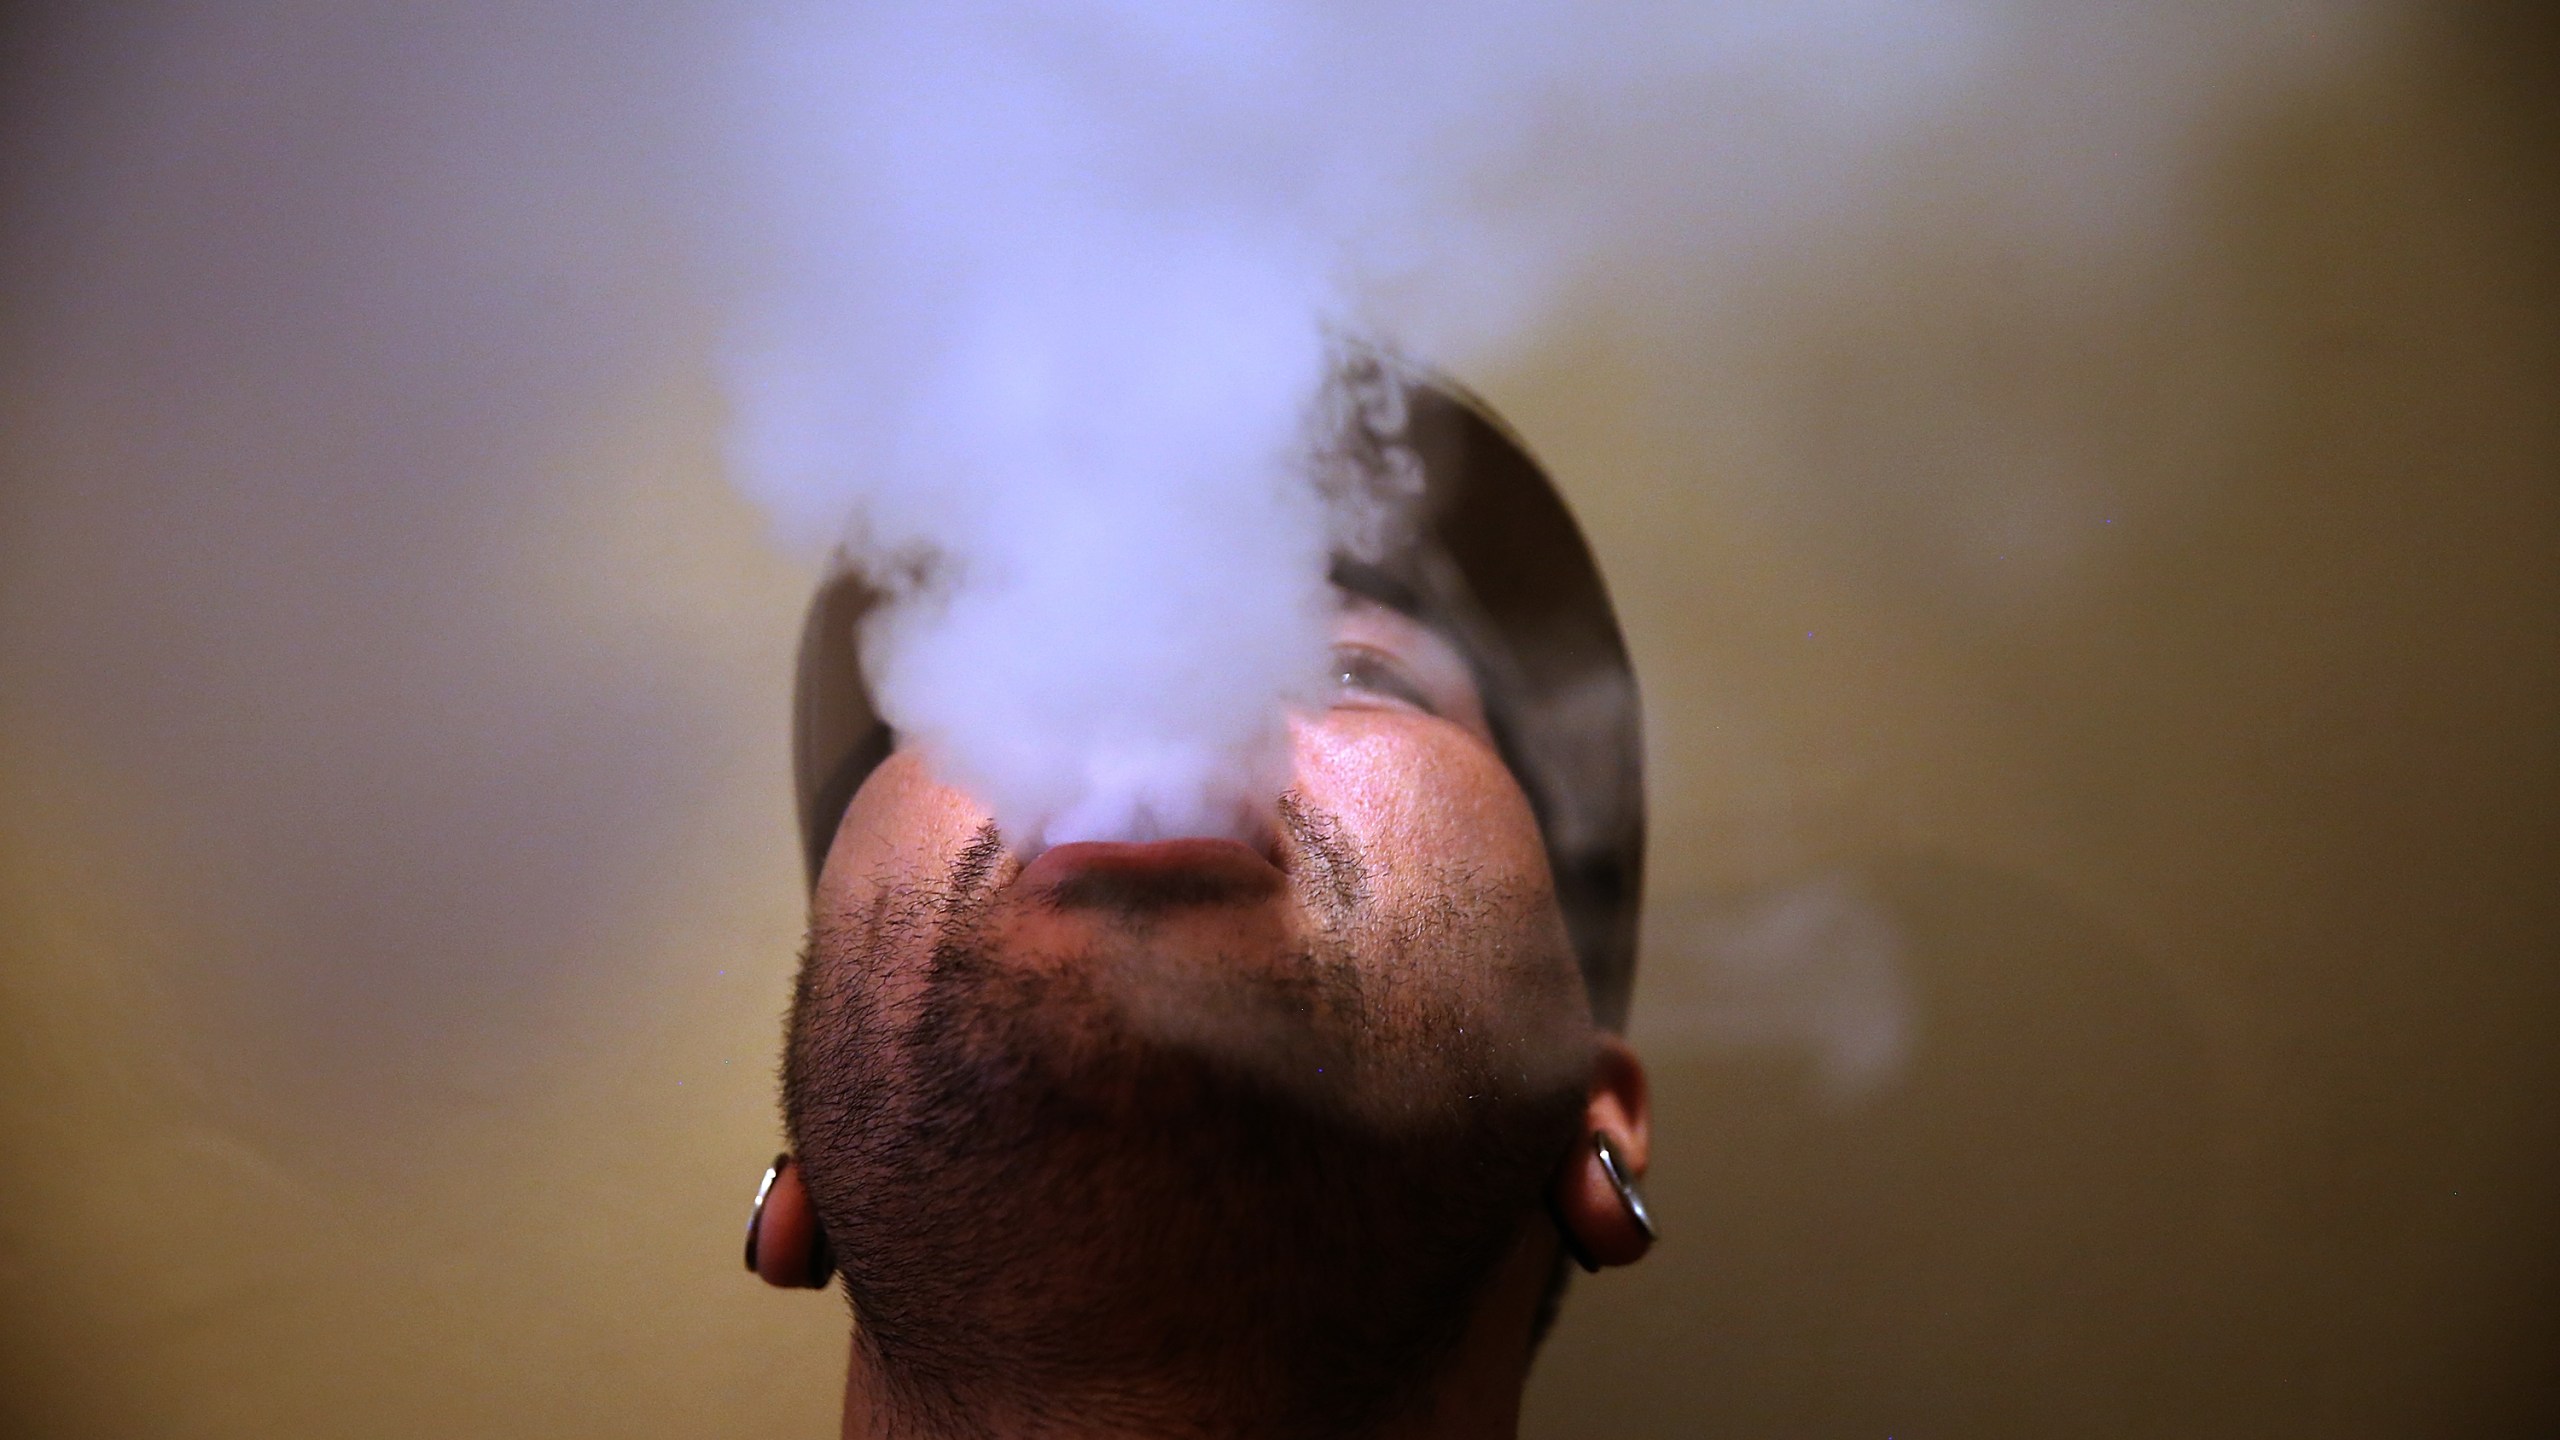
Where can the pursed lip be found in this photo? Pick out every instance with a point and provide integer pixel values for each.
(1194, 867)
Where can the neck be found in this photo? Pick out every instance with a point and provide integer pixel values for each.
(1476, 1395)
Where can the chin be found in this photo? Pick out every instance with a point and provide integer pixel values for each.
(1151, 1106)
(1077, 1177)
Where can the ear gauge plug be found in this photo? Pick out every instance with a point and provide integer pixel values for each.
(1628, 1194)
(1614, 1171)
(755, 1217)
(782, 1194)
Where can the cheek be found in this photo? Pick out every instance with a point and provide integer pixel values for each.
(1461, 931)
(895, 847)
(1431, 807)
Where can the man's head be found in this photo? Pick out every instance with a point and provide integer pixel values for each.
(1270, 1137)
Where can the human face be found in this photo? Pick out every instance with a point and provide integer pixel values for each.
(1330, 1071)
(1403, 844)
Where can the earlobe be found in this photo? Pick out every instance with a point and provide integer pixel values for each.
(786, 1247)
(1597, 1204)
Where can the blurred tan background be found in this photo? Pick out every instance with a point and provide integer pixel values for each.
(2102, 669)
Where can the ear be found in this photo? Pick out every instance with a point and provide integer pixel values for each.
(1604, 1224)
(785, 1246)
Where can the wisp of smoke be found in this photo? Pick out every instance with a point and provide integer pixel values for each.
(1062, 388)
(1045, 312)
(1041, 298)
(1095, 609)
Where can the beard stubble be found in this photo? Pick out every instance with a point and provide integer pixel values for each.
(1263, 1194)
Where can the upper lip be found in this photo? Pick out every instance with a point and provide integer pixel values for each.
(1188, 863)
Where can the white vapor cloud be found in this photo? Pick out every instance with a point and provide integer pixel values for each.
(1036, 301)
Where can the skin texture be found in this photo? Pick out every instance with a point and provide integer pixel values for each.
(1198, 1141)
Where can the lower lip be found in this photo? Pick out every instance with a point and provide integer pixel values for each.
(1218, 861)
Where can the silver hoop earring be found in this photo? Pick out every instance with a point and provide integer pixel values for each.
(755, 1217)
(1628, 1194)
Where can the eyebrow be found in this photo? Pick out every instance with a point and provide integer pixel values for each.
(1372, 583)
